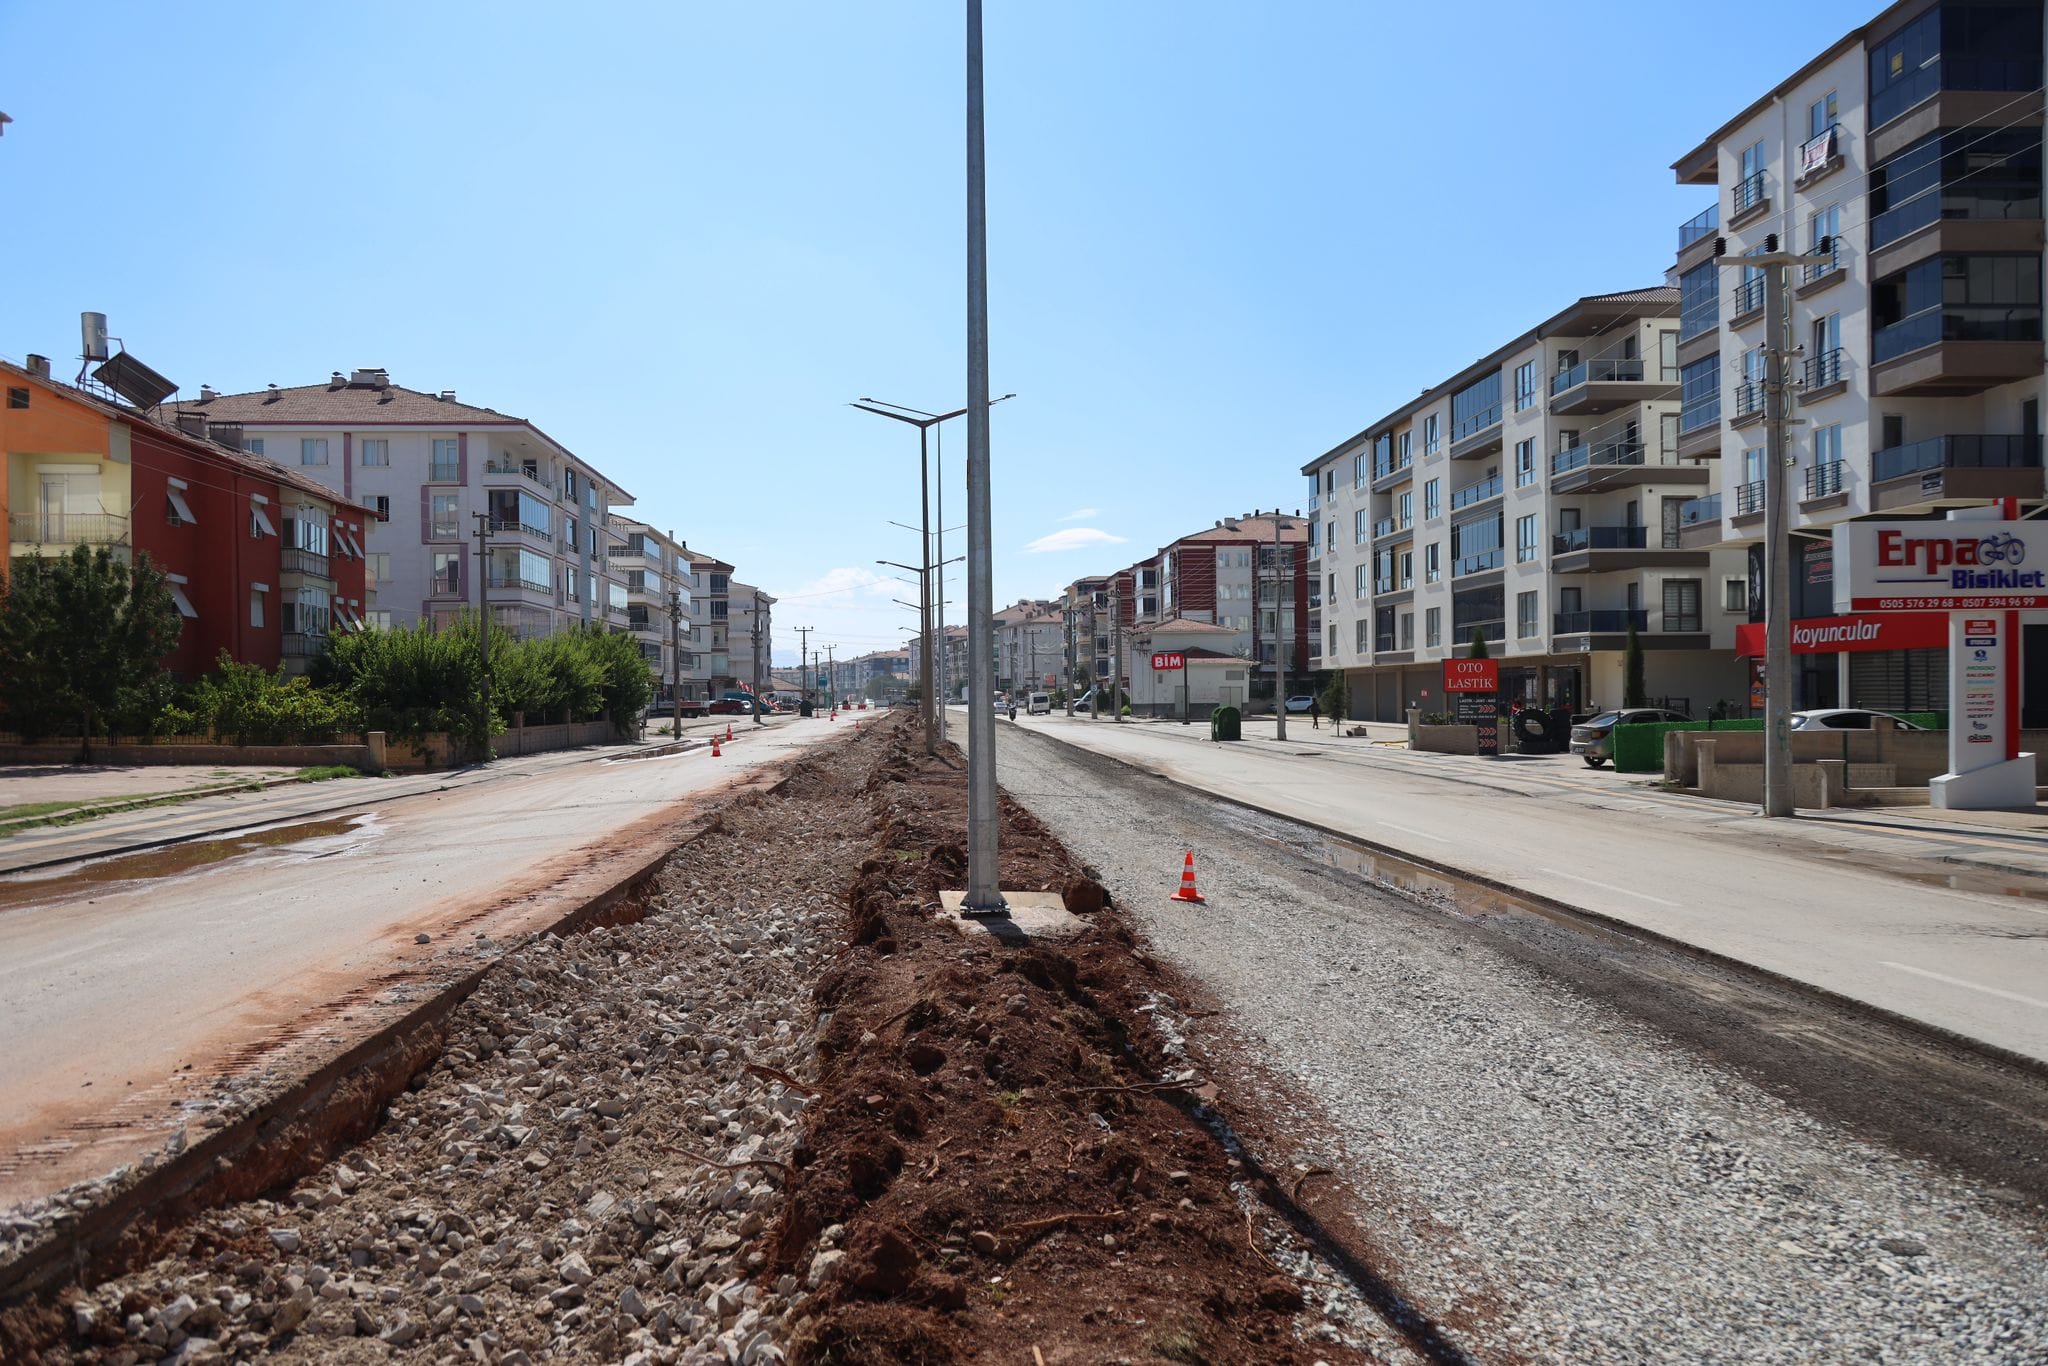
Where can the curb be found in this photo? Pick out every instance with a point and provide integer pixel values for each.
(1565, 910)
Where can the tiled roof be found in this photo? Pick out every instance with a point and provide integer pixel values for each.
(1185, 626)
(347, 405)
(1292, 529)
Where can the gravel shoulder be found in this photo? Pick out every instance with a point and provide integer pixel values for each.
(1537, 1163)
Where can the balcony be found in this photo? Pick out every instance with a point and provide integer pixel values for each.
(1385, 476)
(1599, 384)
(1699, 522)
(66, 529)
(1599, 622)
(1746, 300)
(1956, 467)
(1389, 526)
(1496, 629)
(1749, 498)
(1473, 494)
(1479, 563)
(497, 471)
(1820, 155)
(503, 580)
(1597, 466)
(1823, 481)
(1477, 435)
(1821, 271)
(301, 644)
(1603, 549)
(509, 525)
(1955, 350)
(1825, 374)
(1747, 199)
(292, 560)
(1699, 227)
(1749, 403)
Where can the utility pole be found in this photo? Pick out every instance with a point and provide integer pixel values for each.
(675, 660)
(984, 893)
(832, 673)
(1279, 641)
(1116, 653)
(1073, 664)
(483, 620)
(1778, 682)
(755, 632)
(803, 666)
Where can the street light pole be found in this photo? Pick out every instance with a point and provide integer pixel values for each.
(984, 895)
(483, 622)
(1279, 641)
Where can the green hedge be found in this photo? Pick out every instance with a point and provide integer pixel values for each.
(1640, 749)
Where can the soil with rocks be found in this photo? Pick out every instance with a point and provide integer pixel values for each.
(791, 1115)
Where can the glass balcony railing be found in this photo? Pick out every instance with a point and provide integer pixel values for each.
(1383, 527)
(1596, 453)
(1477, 563)
(1597, 370)
(1496, 629)
(1749, 498)
(1602, 620)
(1698, 511)
(1599, 538)
(503, 580)
(1698, 226)
(1956, 452)
(1824, 479)
(1476, 493)
(1956, 323)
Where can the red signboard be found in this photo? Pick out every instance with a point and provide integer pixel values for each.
(1471, 675)
(1169, 659)
(1853, 633)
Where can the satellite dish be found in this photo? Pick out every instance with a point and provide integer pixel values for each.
(134, 381)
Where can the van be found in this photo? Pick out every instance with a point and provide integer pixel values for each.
(1041, 704)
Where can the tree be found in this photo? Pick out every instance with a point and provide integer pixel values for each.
(1633, 691)
(1335, 700)
(1478, 643)
(78, 636)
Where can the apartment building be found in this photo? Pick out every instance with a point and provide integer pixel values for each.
(649, 566)
(853, 677)
(751, 633)
(1225, 576)
(1533, 499)
(708, 663)
(1911, 148)
(428, 464)
(1030, 642)
(1084, 605)
(263, 563)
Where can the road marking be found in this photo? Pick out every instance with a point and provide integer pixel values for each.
(1419, 834)
(1968, 986)
(1610, 887)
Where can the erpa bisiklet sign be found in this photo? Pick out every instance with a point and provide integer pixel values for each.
(1940, 566)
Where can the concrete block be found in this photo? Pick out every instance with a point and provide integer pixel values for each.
(1031, 915)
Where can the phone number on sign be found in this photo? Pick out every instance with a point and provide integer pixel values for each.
(2012, 604)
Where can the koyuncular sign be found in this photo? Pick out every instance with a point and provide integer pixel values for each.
(1952, 566)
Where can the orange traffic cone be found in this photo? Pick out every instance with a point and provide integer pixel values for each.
(714, 745)
(834, 716)
(1187, 890)
(728, 732)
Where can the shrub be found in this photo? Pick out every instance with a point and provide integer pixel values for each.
(251, 705)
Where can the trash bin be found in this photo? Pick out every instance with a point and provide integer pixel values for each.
(1226, 723)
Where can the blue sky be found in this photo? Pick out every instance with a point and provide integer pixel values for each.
(682, 237)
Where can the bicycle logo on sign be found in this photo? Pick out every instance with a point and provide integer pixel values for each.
(2006, 549)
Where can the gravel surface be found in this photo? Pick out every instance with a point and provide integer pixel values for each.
(1559, 1180)
(587, 1173)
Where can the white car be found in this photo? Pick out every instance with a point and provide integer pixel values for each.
(1300, 703)
(1846, 718)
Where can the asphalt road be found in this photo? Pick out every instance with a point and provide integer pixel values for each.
(119, 975)
(1875, 912)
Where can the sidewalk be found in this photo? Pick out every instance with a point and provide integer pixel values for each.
(1942, 921)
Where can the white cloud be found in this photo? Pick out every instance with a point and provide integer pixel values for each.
(1082, 514)
(845, 586)
(1073, 538)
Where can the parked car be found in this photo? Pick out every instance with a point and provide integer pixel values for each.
(1845, 718)
(1040, 704)
(1300, 702)
(1084, 705)
(1593, 740)
(729, 706)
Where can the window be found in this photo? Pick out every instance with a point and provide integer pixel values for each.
(1525, 615)
(1407, 575)
(1699, 388)
(447, 571)
(1404, 515)
(254, 445)
(1699, 300)
(312, 450)
(176, 583)
(1667, 357)
(382, 504)
(177, 512)
(1525, 539)
(1361, 527)
(378, 566)
(377, 620)
(1681, 604)
(1361, 471)
(1735, 595)
(1433, 628)
(376, 453)
(1749, 186)
(1525, 384)
(1432, 562)
(1956, 298)
(1431, 443)
(308, 613)
(259, 518)
(1475, 407)
(17, 398)
(571, 481)
(1433, 499)
(1525, 463)
(1407, 630)
(1361, 581)
(1820, 115)
(257, 592)
(1824, 223)
(447, 518)
(447, 464)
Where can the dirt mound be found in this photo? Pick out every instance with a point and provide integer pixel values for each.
(1000, 1154)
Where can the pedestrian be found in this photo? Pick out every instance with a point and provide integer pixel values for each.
(1315, 712)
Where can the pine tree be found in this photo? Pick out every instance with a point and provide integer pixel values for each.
(1633, 691)
(1478, 644)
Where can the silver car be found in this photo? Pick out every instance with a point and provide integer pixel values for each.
(1593, 740)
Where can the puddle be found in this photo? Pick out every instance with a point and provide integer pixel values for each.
(1981, 884)
(312, 839)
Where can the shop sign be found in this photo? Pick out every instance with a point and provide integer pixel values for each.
(1951, 566)
(1852, 634)
(1472, 675)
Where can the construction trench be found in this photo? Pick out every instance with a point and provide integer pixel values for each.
(764, 1104)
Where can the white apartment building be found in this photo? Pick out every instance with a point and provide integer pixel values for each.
(1912, 146)
(427, 464)
(1030, 643)
(1533, 498)
(752, 634)
(650, 567)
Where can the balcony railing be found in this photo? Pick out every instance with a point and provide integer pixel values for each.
(292, 560)
(1315, 500)
(1385, 585)
(1697, 511)
(1818, 150)
(500, 580)
(1957, 452)
(1749, 498)
(1698, 226)
(1956, 323)
(1749, 398)
(68, 528)
(1824, 265)
(301, 644)
(1824, 479)
(1596, 370)
(1604, 620)
(1383, 642)
(1746, 297)
(1381, 470)
(1599, 538)
(1484, 560)
(1476, 493)
(532, 476)
(1477, 422)
(1826, 368)
(1383, 527)
(1496, 629)
(1746, 194)
(520, 524)
(1596, 453)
